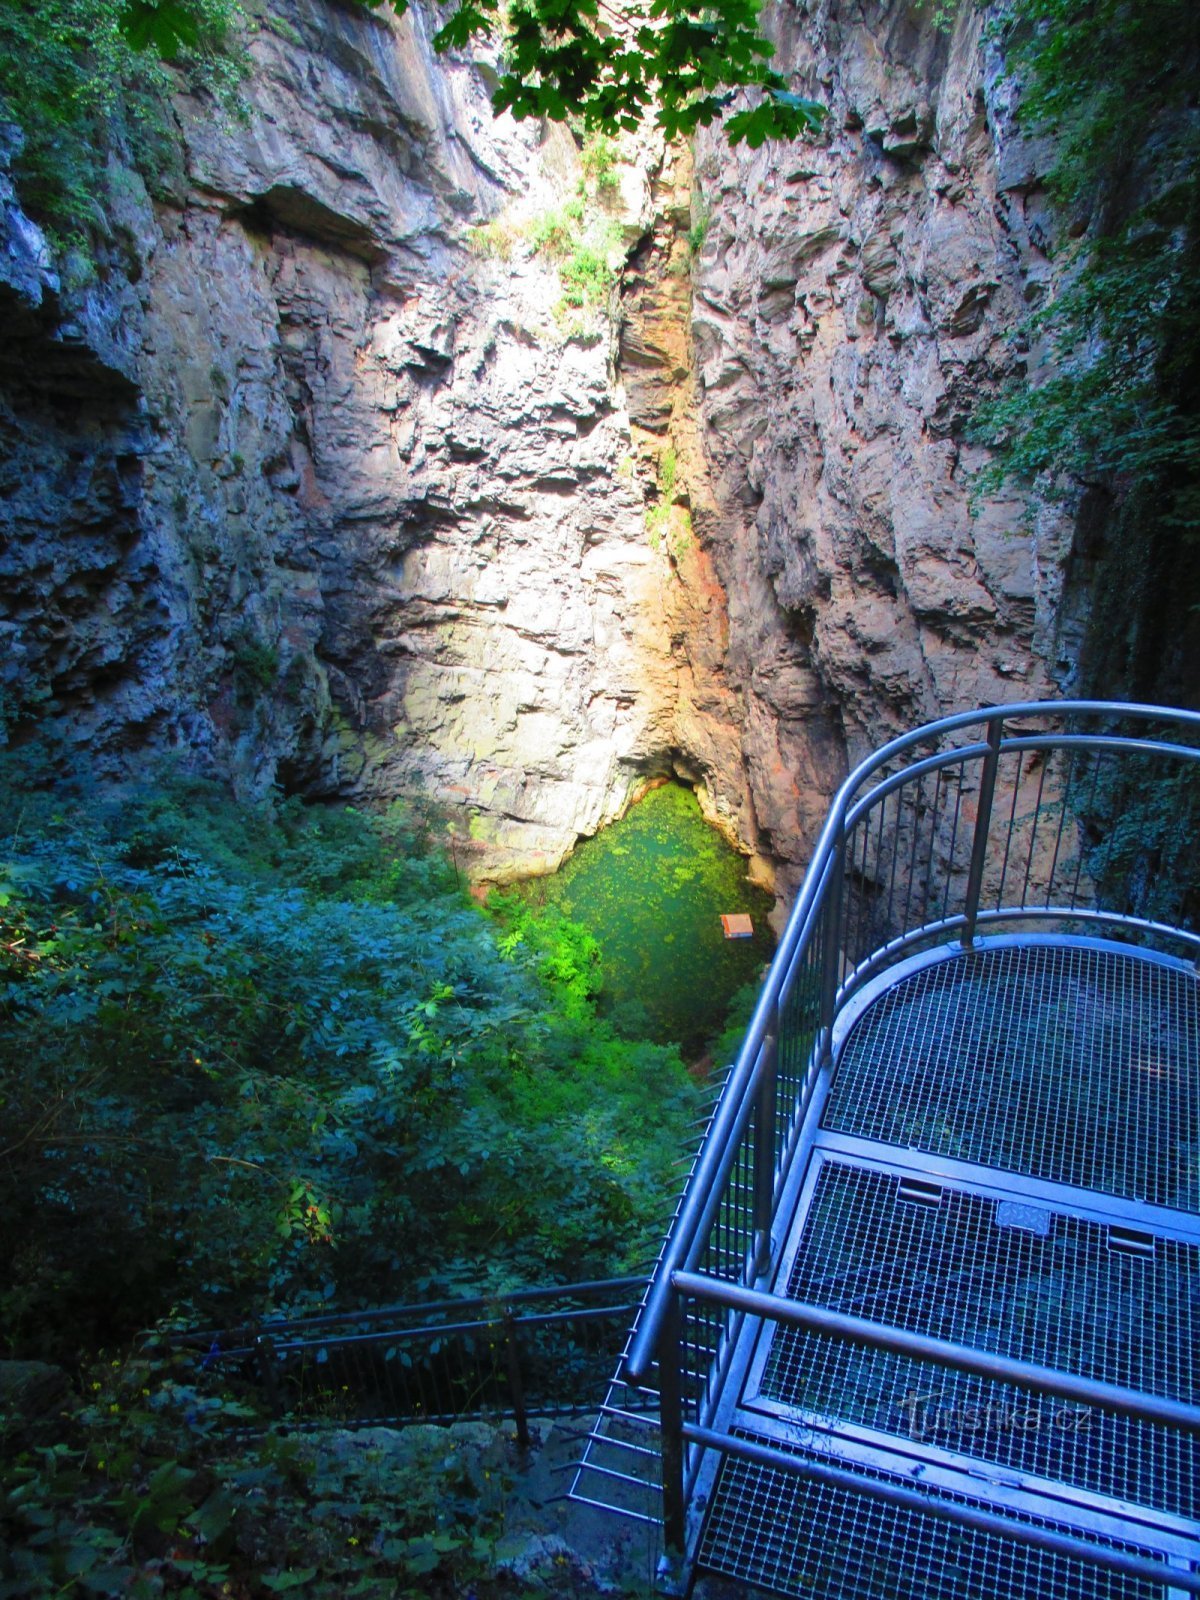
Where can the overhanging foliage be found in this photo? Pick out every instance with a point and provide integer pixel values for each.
(609, 64)
(1114, 83)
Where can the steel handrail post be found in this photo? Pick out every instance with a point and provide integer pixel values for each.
(764, 1149)
(670, 1401)
(264, 1356)
(831, 955)
(516, 1387)
(983, 825)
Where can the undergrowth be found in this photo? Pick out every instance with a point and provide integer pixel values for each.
(273, 1058)
(143, 1488)
(79, 91)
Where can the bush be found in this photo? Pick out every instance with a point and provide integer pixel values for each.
(76, 87)
(273, 1057)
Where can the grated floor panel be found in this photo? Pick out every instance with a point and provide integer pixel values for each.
(806, 1539)
(1071, 1064)
(1063, 1298)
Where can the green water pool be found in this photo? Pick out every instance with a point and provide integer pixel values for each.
(651, 890)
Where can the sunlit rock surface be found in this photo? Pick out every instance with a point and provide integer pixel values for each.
(366, 520)
(314, 489)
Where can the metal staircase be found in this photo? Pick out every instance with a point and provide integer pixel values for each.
(927, 1323)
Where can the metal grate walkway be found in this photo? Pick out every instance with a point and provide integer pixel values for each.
(1009, 1159)
(1079, 1065)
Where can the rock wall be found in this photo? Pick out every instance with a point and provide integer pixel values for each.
(853, 299)
(355, 509)
(322, 483)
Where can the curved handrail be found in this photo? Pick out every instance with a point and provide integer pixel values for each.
(743, 1081)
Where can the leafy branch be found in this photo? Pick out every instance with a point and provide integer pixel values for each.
(686, 59)
(1114, 85)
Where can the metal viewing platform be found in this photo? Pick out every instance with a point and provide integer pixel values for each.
(927, 1323)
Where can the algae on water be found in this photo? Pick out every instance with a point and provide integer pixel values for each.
(651, 889)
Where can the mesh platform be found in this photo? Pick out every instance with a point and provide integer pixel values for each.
(800, 1538)
(1072, 1065)
(957, 1269)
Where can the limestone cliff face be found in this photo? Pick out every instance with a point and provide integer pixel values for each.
(853, 298)
(322, 483)
(351, 506)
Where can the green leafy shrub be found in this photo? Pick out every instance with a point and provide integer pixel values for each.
(558, 232)
(563, 62)
(73, 80)
(598, 159)
(143, 1489)
(698, 232)
(587, 275)
(587, 249)
(274, 1057)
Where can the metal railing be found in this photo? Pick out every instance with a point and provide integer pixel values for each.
(1069, 818)
(533, 1353)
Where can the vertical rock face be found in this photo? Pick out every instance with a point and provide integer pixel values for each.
(326, 482)
(853, 299)
(357, 509)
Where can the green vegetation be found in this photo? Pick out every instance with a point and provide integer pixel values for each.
(587, 248)
(144, 1491)
(557, 232)
(270, 1057)
(678, 58)
(255, 666)
(585, 245)
(942, 13)
(81, 77)
(599, 159)
(588, 273)
(1117, 409)
(668, 523)
(658, 518)
(495, 240)
(273, 1058)
(650, 892)
(72, 78)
